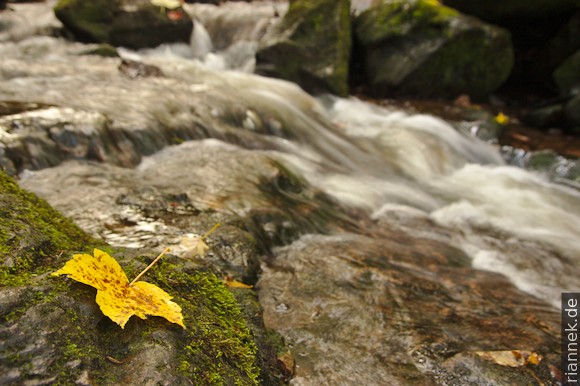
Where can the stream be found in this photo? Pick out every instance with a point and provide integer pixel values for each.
(393, 246)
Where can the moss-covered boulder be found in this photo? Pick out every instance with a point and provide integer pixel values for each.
(127, 23)
(419, 48)
(310, 46)
(53, 332)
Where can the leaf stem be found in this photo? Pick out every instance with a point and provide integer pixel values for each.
(216, 226)
(150, 265)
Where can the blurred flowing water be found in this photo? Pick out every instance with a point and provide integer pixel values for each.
(210, 130)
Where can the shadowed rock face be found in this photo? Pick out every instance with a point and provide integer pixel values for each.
(423, 49)
(512, 10)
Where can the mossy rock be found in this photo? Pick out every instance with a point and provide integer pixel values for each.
(419, 48)
(310, 46)
(128, 23)
(53, 332)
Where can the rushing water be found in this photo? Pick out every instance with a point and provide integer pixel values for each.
(380, 160)
(414, 173)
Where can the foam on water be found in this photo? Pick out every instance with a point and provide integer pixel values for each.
(509, 220)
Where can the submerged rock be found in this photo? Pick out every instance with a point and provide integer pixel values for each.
(127, 23)
(399, 310)
(420, 48)
(310, 46)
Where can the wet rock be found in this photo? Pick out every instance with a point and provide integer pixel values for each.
(133, 69)
(53, 331)
(422, 49)
(541, 51)
(310, 46)
(561, 114)
(127, 23)
(45, 137)
(546, 116)
(105, 50)
(373, 312)
(572, 114)
(163, 202)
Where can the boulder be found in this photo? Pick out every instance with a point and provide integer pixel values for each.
(567, 75)
(128, 23)
(544, 34)
(572, 114)
(543, 46)
(419, 48)
(53, 332)
(310, 46)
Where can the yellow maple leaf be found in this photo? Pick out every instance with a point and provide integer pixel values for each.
(118, 299)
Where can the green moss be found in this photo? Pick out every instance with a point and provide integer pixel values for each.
(90, 20)
(311, 46)
(397, 18)
(217, 348)
(32, 234)
(420, 48)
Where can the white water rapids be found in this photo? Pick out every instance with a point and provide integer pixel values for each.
(396, 167)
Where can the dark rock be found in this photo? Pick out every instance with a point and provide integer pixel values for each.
(564, 114)
(310, 46)
(572, 114)
(567, 75)
(419, 48)
(510, 10)
(546, 116)
(542, 46)
(133, 69)
(105, 50)
(128, 23)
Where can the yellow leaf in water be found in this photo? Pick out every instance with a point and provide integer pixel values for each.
(502, 119)
(231, 282)
(117, 299)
